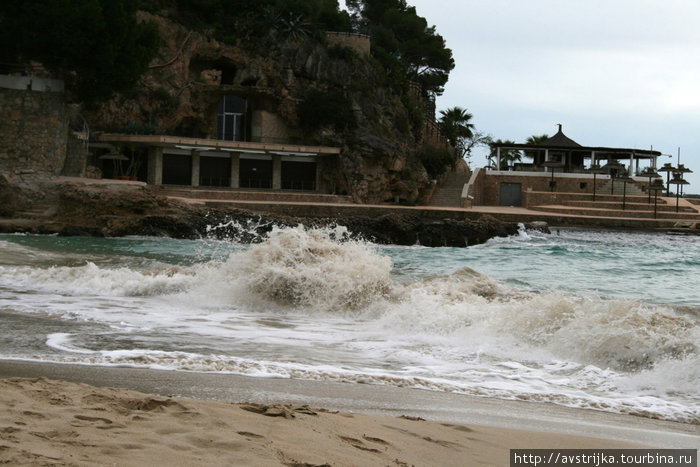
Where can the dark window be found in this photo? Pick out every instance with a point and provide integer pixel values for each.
(177, 169)
(298, 175)
(583, 185)
(255, 173)
(214, 171)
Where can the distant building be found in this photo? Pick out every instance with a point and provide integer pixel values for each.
(511, 182)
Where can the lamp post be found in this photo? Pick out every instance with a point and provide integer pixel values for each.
(678, 181)
(656, 187)
(668, 168)
(625, 178)
(613, 168)
(553, 165)
(682, 169)
(651, 173)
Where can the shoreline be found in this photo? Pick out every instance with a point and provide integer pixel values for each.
(543, 419)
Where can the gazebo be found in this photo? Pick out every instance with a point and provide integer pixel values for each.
(571, 155)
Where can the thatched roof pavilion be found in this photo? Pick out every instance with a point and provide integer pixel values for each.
(571, 155)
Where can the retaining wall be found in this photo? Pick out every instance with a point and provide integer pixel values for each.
(34, 129)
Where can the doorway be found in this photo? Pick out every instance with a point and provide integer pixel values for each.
(511, 194)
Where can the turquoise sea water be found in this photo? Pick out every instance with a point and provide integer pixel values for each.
(595, 319)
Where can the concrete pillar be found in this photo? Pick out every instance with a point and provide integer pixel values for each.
(276, 172)
(235, 170)
(319, 180)
(546, 159)
(498, 158)
(631, 169)
(195, 168)
(592, 158)
(155, 166)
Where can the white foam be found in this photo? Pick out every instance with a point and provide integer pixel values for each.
(313, 304)
(63, 341)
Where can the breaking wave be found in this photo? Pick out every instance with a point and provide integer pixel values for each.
(600, 344)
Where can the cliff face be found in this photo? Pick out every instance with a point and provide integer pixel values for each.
(180, 92)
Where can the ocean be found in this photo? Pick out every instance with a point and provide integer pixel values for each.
(592, 319)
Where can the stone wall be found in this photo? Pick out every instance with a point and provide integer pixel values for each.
(360, 43)
(33, 133)
(537, 182)
(474, 195)
(267, 127)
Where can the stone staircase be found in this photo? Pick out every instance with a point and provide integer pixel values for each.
(635, 206)
(223, 195)
(616, 187)
(449, 194)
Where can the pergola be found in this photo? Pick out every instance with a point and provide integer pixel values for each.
(571, 156)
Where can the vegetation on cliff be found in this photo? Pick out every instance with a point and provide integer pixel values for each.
(404, 43)
(164, 66)
(96, 46)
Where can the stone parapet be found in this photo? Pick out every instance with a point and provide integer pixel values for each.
(33, 134)
(360, 43)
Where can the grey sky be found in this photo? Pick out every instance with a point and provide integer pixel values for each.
(622, 73)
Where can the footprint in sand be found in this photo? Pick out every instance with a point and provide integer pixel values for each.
(358, 444)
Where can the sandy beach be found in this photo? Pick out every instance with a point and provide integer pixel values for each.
(50, 415)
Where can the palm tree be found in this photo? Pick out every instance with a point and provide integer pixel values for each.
(534, 155)
(455, 125)
(535, 139)
(508, 156)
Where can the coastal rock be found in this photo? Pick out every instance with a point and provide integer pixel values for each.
(103, 208)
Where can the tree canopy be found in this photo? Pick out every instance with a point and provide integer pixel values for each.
(96, 46)
(508, 156)
(246, 21)
(404, 43)
(455, 125)
(535, 140)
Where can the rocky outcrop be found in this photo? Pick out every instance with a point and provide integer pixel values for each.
(180, 92)
(103, 208)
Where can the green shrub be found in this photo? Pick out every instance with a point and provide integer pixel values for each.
(435, 159)
(322, 109)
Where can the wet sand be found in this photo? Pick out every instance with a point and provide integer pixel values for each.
(78, 414)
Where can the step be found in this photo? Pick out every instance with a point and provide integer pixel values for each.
(449, 194)
(649, 214)
(631, 206)
(254, 195)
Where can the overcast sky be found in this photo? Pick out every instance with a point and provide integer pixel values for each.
(616, 73)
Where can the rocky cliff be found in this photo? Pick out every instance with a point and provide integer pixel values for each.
(180, 92)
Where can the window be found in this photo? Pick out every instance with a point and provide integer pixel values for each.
(231, 118)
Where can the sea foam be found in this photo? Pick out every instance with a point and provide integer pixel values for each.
(314, 304)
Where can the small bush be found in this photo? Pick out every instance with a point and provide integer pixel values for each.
(435, 159)
(325, 109)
